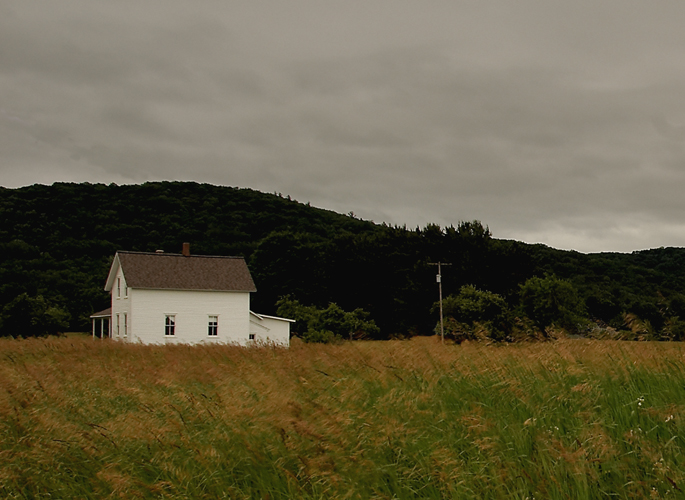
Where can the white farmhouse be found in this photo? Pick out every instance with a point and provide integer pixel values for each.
(163, 298)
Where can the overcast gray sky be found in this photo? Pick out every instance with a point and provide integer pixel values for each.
(560, 122)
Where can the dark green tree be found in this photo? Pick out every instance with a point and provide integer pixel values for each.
(324, 325)
(471, 308)
(551, 301)
(32, 317)
(58, 241)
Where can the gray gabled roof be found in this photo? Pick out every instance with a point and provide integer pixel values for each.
(169, 271)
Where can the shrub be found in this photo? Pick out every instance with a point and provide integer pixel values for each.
(320, 336)
(315, 323)
(674, 329)
(472, 311)
(551, 301)
(27, 316)
(640, 329)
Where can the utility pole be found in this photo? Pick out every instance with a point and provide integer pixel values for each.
(438, 278)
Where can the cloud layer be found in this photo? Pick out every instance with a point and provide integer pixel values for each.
(561, 123)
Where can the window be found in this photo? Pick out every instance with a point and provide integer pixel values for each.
(125, 324)
(213, 328)
(170, 325)
(117, 325)
(118, 288)
(251, 336)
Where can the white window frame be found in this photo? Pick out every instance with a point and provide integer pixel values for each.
(251, 336)
(118, 324)
(118, 288)
(125, 325)
(170, 325)
(213, 325)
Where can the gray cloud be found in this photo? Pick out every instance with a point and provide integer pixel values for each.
(552, 122)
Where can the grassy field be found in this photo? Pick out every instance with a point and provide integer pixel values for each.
(405, 419)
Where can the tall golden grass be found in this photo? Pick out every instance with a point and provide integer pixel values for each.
(403, 419)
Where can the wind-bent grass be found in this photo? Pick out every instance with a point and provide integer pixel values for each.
(414, 419)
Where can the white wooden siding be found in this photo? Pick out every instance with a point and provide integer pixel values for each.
(120, 306)
(192, 310)
(270, 330)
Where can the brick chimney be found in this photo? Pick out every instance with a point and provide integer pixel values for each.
(186, 249)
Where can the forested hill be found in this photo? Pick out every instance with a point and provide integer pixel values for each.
(56, 245)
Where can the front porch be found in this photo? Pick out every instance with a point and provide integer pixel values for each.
(105, 326)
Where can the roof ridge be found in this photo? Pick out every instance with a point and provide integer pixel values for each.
(168, 254)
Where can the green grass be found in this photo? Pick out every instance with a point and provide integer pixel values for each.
(414, 419)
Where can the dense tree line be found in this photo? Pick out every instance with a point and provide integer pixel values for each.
(57, 242)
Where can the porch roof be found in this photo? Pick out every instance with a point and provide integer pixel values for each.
(105, 313)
